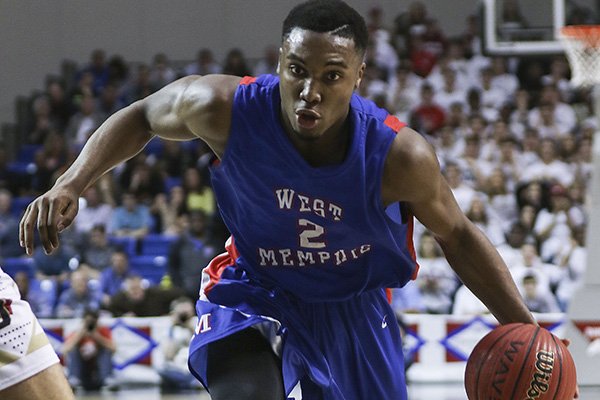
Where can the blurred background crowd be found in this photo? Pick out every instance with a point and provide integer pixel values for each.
(513, 138)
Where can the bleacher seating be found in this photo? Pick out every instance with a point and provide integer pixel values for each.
(27, 153)
(19, 204)
(152, 268)
(13, 265)
(156, 244)
(172, 181)
(127, 244)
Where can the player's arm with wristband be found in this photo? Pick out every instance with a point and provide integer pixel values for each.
(412, 175)
(192, 107)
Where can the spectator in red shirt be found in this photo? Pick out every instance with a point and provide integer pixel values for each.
(428, 116)
(89, 353)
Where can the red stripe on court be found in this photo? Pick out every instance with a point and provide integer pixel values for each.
(218, 264)
(247, 80)
(394, 123)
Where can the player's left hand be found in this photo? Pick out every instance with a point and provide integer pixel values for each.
(567, 342)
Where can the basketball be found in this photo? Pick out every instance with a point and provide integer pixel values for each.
(520, 361)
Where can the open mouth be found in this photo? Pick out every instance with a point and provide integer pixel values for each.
(307, 119)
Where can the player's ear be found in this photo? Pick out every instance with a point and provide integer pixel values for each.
(361, 72)
(279, 60)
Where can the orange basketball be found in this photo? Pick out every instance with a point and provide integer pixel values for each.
(520, 361)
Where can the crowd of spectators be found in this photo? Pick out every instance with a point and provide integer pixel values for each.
(513, 138)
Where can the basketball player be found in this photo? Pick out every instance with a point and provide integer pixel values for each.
(29, 367)
(318, 187)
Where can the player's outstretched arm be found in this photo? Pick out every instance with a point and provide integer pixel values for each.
(412, 175)
(192, 107)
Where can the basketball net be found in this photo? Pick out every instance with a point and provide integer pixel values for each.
(582, 47)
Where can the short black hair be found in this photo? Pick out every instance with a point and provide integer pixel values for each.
(328, 16)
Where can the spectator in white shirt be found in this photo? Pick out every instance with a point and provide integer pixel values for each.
(558, 76)
(519, 117)
(564, 115)
(503, 79)
(553, 225)
(510, 161)
(501, 199)
(546, 123)
(475, 170)
(466, 303)
(462, 192)
(547, 275)
(450, 92)
(572, 258)
(96, 208)
(538, 301)
(484, 220)
(492, 97)
(510, 250)
(403, 92)
(437, 281)
(549, 167)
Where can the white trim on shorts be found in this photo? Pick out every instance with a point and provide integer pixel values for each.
(23, 331)
(28, 366)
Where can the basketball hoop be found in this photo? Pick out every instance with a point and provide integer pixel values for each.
(582, 47)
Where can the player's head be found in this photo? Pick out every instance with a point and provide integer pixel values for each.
(320, 65)
(328, 16)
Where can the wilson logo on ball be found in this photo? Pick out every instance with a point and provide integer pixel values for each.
(539, 383)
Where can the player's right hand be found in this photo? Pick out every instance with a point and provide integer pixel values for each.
(50, 214)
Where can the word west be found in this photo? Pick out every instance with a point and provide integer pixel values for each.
(288, 199)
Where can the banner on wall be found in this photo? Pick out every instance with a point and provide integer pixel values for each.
(437, 346)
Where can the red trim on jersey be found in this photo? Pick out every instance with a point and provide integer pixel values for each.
(388, 294)
(247, 80)
(218, 264)
(394, 123)
(411, 245)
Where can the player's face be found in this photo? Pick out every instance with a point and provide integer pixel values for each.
(318, 73)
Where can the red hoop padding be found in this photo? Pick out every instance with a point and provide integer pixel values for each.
(588, 34)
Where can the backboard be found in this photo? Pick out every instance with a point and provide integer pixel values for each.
(522, 27)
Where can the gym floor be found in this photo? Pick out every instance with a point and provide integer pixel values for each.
(416, 392)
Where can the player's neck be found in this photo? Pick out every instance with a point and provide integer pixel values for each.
(329, 149)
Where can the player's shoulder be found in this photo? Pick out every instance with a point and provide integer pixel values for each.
(209, 88)
(372, 112)
(410, 148)
(411, 167)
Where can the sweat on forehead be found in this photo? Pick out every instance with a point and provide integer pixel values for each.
(298, 36)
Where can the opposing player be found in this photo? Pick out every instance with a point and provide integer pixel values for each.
(318, 188)
(29, 367)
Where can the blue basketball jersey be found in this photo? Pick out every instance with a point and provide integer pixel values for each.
(319, 233)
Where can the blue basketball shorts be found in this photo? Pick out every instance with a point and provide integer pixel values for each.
(345, 350)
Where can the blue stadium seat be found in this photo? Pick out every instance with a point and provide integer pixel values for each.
(156, 244)
(19, 168)
(19, 204)
(27, 152)
(154, 147)
(13, 265)
(45, 292)
(152, 268)
(127, 244)
(172, 181)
